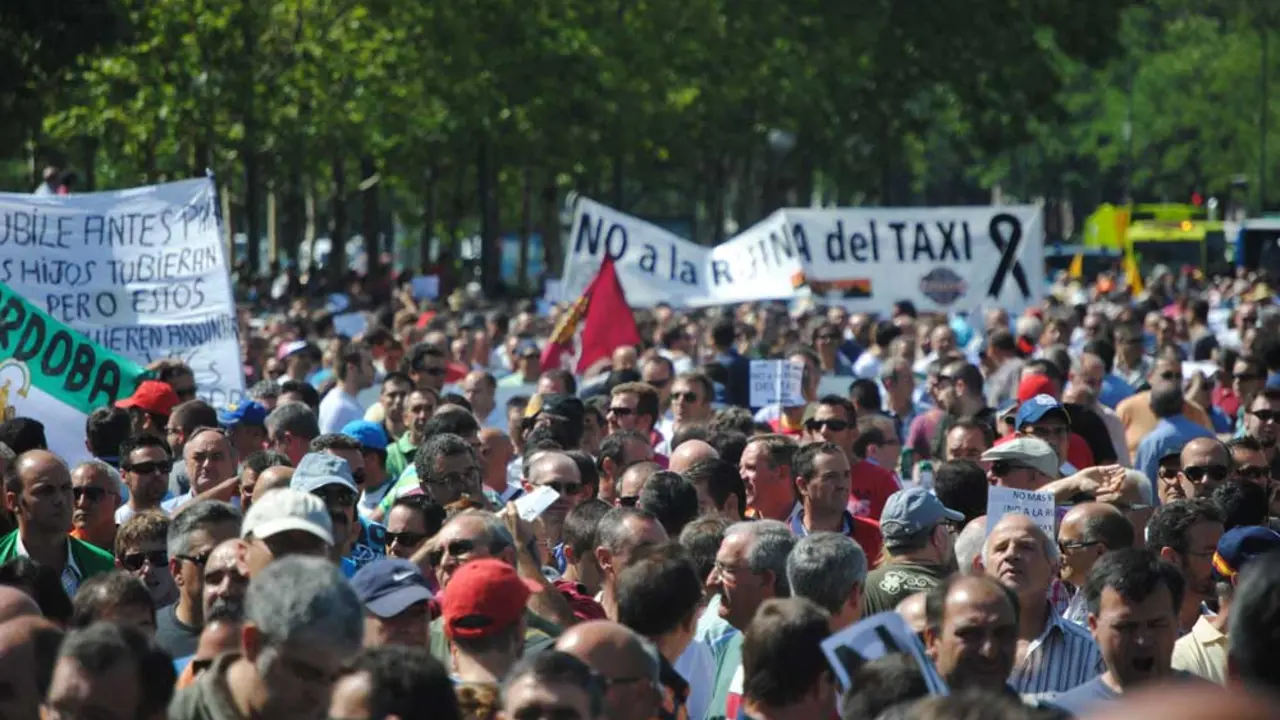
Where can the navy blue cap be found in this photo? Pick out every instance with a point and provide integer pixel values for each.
(250, 414)
(316, 470)
(389, 586)
(1034, 410)
(1240, 545)
(370, 435)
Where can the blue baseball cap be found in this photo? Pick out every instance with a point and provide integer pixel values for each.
(1239, 546)
(251, 414)
(317, 470)
(1034, 410)
(370, 434)
(389, 586)
(911, 511)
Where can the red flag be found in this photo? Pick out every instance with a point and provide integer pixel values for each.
(606, 323)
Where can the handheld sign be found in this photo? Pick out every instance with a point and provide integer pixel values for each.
(426, 287)
(875, 637)
(530, 505)
(1038, 506)
(777, 382)
(351, 324)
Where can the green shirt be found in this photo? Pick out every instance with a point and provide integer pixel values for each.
(725, 669)
(890, 584)
(400, 455)
(87, 560)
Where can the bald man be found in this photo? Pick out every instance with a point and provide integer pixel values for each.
(633, 480)
(21, 659)
(495, 455)
(1087, 532)
(15, 604)
(38, 492)
(690, 453)
(617, 653)
(1206, 464)
(559, 472)
(273, 478)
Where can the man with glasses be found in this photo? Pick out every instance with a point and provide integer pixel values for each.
(1250, 463)
(628, 670)
(559, 472)
(1186, 533)
(141, 550)
(428, 367)
(1045, 418)
(1025, 463)
(1087, 532)
(1204, 464)
(635, 406)
(211, 465)
(412, 520)
(833, 419)
(146, 465)
(1262, 418)
(1247, 378)
(918, 531)
(334, 472)
(95, 489)
(193, 534)
(419, 406)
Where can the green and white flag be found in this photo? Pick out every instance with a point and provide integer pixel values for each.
(52, 373)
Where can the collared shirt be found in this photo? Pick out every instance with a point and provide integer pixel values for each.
(71, 573)
(1077, 609)
(1202, 652)
(1061, 658)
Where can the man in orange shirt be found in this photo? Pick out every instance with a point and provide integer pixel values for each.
(1135, 411)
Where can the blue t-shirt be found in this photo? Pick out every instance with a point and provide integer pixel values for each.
(371, 545)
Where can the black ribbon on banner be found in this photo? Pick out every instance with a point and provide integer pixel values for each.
(1006, 233)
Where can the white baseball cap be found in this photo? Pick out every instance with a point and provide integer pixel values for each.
(284, 509)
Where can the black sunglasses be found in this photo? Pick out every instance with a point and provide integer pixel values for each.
(1255, 473)
(456, 548)
(197, 560)
(628, 500)
(688, 397)
(1266, 415)
(658, 383)
(135, 561)
(434, 371)
(339, 496)
(1004, 467)
(621, 411)
(833, 425)
(1197, 473)
(405, 538)
(147, 468)
(92, 494)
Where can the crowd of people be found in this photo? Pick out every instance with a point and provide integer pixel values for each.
(367, 535)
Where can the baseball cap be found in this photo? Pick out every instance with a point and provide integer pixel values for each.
(285, 509)
(389, 586)
(561, 405)
(1239, 546)
(1033, 385)
(247, 414)
(291, 348)
(527, 347)
(483, 597)
(316, 470)
(369, 434)
(911, 511)
(153, 396)
(1027, 452)
(1035, 409)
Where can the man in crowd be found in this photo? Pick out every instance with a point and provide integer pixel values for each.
(1087, 532)
(290, 429)
(149, 407)
(395, 596)
(917, 536)
(971, 632)
(622, 532)
(1186, 533)
(192, 536)
(95, 489)
(285, 522)
(389, 411)
(419, 406)
(1142, 412)
(634, 406)
(355, 372)
(141, 550)
(834, 420)
(830, 570)
(784, 671)
(246, 423)
(766, 475)
(484, 620)
(1025, 463)
(412, 520)
(618, 452)
(146, 465)
(184, 421)
(211, 466)
(108, 671)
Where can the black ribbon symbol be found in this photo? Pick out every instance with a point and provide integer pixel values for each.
(1008, 245)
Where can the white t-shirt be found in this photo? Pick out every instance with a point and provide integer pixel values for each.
(337, 409)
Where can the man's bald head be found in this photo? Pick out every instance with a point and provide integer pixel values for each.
(488, 434)
(611, 649)
(273, 478)
(633, 480)
(1085, 512)
(1197, 450)
(690, 453)
(32, 463)
(16, 604)
(553, 463)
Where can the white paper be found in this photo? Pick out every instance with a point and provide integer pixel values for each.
(777, 382)
(1038, 506)
(426, 287)
(532, 504)
(875, 637)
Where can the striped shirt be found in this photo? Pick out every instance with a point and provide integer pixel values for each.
(1063, 657)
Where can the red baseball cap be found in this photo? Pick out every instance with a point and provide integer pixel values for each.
(483, 597)
(153, 396)
(1033, 385)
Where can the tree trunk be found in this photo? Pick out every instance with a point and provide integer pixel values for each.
(526, 229)
(338, 227)
(429, 212)
(369, 218)
(552, 248)
(490, 250)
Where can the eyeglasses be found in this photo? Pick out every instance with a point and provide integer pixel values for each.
(658, 383)
(1266, 416)
(456, 480)
(688, 397)
(454, 548)
(92, 494)
(150, 467)
(1004, 467)
(621, 411)
(833, 425)
(135, 561)
(333, 495)
(563, 488)
(1169, 376)
(1197, 473)
(1253, 472)
(197, 560)
(628, 500)
(405, 538)
(1068, 546)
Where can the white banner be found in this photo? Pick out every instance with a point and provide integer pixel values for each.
(142, 272)
(941, 259)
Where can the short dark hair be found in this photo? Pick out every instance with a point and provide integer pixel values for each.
(101, 647)
(885, 333)
(403, 680)
(333, 441)
(702, 538)
(564, 377)
(194, 414)
(690, 431)
(395, 376)
(1245, 442)
(1048, 368)
(671, 499)
(105, 430)
(517, 401)
(1171, 523)
(1134, 573)
(779, 449)
(614, 447)
(612, 526)
(881, 684)
(353, 355)
(962, 486)
(436, 447)
(433, 513)
(421, 352)
(804, 464)
(851, 412)
(297, 420)
(560, 668)
(458, 422)
(453, 398)
(721, 479)
(865, 394)
(42, 583)
(310, 396)
(646, 398)
(1241, 503)
(734, 418)
(262, 459)
(1253, 640)
(659, 591)
(586, 469)
(580, 526)
(1113, 530)
(782, 656)
(139, 441)
(102, 593)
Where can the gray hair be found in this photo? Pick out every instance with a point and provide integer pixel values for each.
(894, 367)
(199, 515)
(294, 418)
(102, 467)
(299, 597)
(825, 567)
(771, 544)
(1048, 544)
(611, 531)
(1139, 478)
(497, 536)
(7, 454)
(969, 543)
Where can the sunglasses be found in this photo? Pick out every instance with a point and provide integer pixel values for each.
(92, 494)
(1266, 415)
(1004, 467)
(1197, 473)
(150, 467)
(1066, 547)
(621, 411)
(628, 501)
(135, 561)
(1169, 376)
(405, 538)
(833, 425)
(197, 560)
(563, 488)
(215, 577)
(434, 371)
(337, 496)
(659, 383)
(1247, 377)
(688, 397)
(456, 548)
(1255, 473)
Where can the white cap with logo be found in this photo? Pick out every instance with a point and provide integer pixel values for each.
(285, 509)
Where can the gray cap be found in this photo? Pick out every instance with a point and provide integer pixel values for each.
(316, 470)
(912, 511)
(1027, 452)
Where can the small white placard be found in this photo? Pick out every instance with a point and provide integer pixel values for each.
(426, 287)
(777, 382)
(532, 504)
(874, 637)
(1038, 506)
